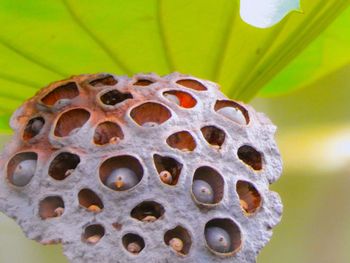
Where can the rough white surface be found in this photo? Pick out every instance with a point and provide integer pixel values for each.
(22, 203)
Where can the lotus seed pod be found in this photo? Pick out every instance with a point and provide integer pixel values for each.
(203, 192)
(122, 179)
(142, 169)
(218, 239)
(24, 172)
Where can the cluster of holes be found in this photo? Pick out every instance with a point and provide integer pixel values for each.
(222, 235)
(113, 97)
(65, 92)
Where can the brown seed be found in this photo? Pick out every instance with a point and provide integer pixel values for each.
(59, 211)
(93, 239)
(94, 208)
(166, 177)
(176, 244)
(134, 248)
(244, 205)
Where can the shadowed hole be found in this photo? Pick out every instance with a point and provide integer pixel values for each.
(133, 243)
(121, 173)
(148, 211)
(207, 186)
(90, 200)
(93, 234)
(168, 168)
(250, 199)
(51, 207)
(104, 81)
(213, 135)
(192, 84)
(114, 97)
(182, 140)
(71, 121)
(232, 110)
(150, 114)
(67, 91)
(63, 165)
(143, 82)
(21, 168)
(179, 240)
(180, 98)
(250, 156)
(33, 128)
(223, 236)
(108, 132)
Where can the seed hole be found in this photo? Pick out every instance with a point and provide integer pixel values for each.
(21, 168)
(213, 135)
(33, 128)
(51, 207)
(168, 168)
(90, 200)
(148, 211)
(93, 234)
(182, 140)
(223, 236)
(121, 173)
(250, 199)
(207, 186)
(143, 82)
(71, 121)
(108, 133)
(192, 84)
(104, 81)
(179, 240)
(133, 243)
(64, 92)
(250, 156)
(63, 165)
(233, 111)
(150, 114)
(180, 98)
(114, 97)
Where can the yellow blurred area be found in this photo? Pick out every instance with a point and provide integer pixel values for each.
(314, 139)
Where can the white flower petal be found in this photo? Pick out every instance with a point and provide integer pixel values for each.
(266, 13)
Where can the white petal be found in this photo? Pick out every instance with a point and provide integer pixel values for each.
(266, 13)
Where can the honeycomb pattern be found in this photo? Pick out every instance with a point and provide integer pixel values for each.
(142, 169)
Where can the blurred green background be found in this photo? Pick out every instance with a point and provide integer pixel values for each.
(308, 101)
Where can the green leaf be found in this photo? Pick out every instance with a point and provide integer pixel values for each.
(328, 53)
(44, 41)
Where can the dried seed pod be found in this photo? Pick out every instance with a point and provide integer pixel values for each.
(146, 138)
